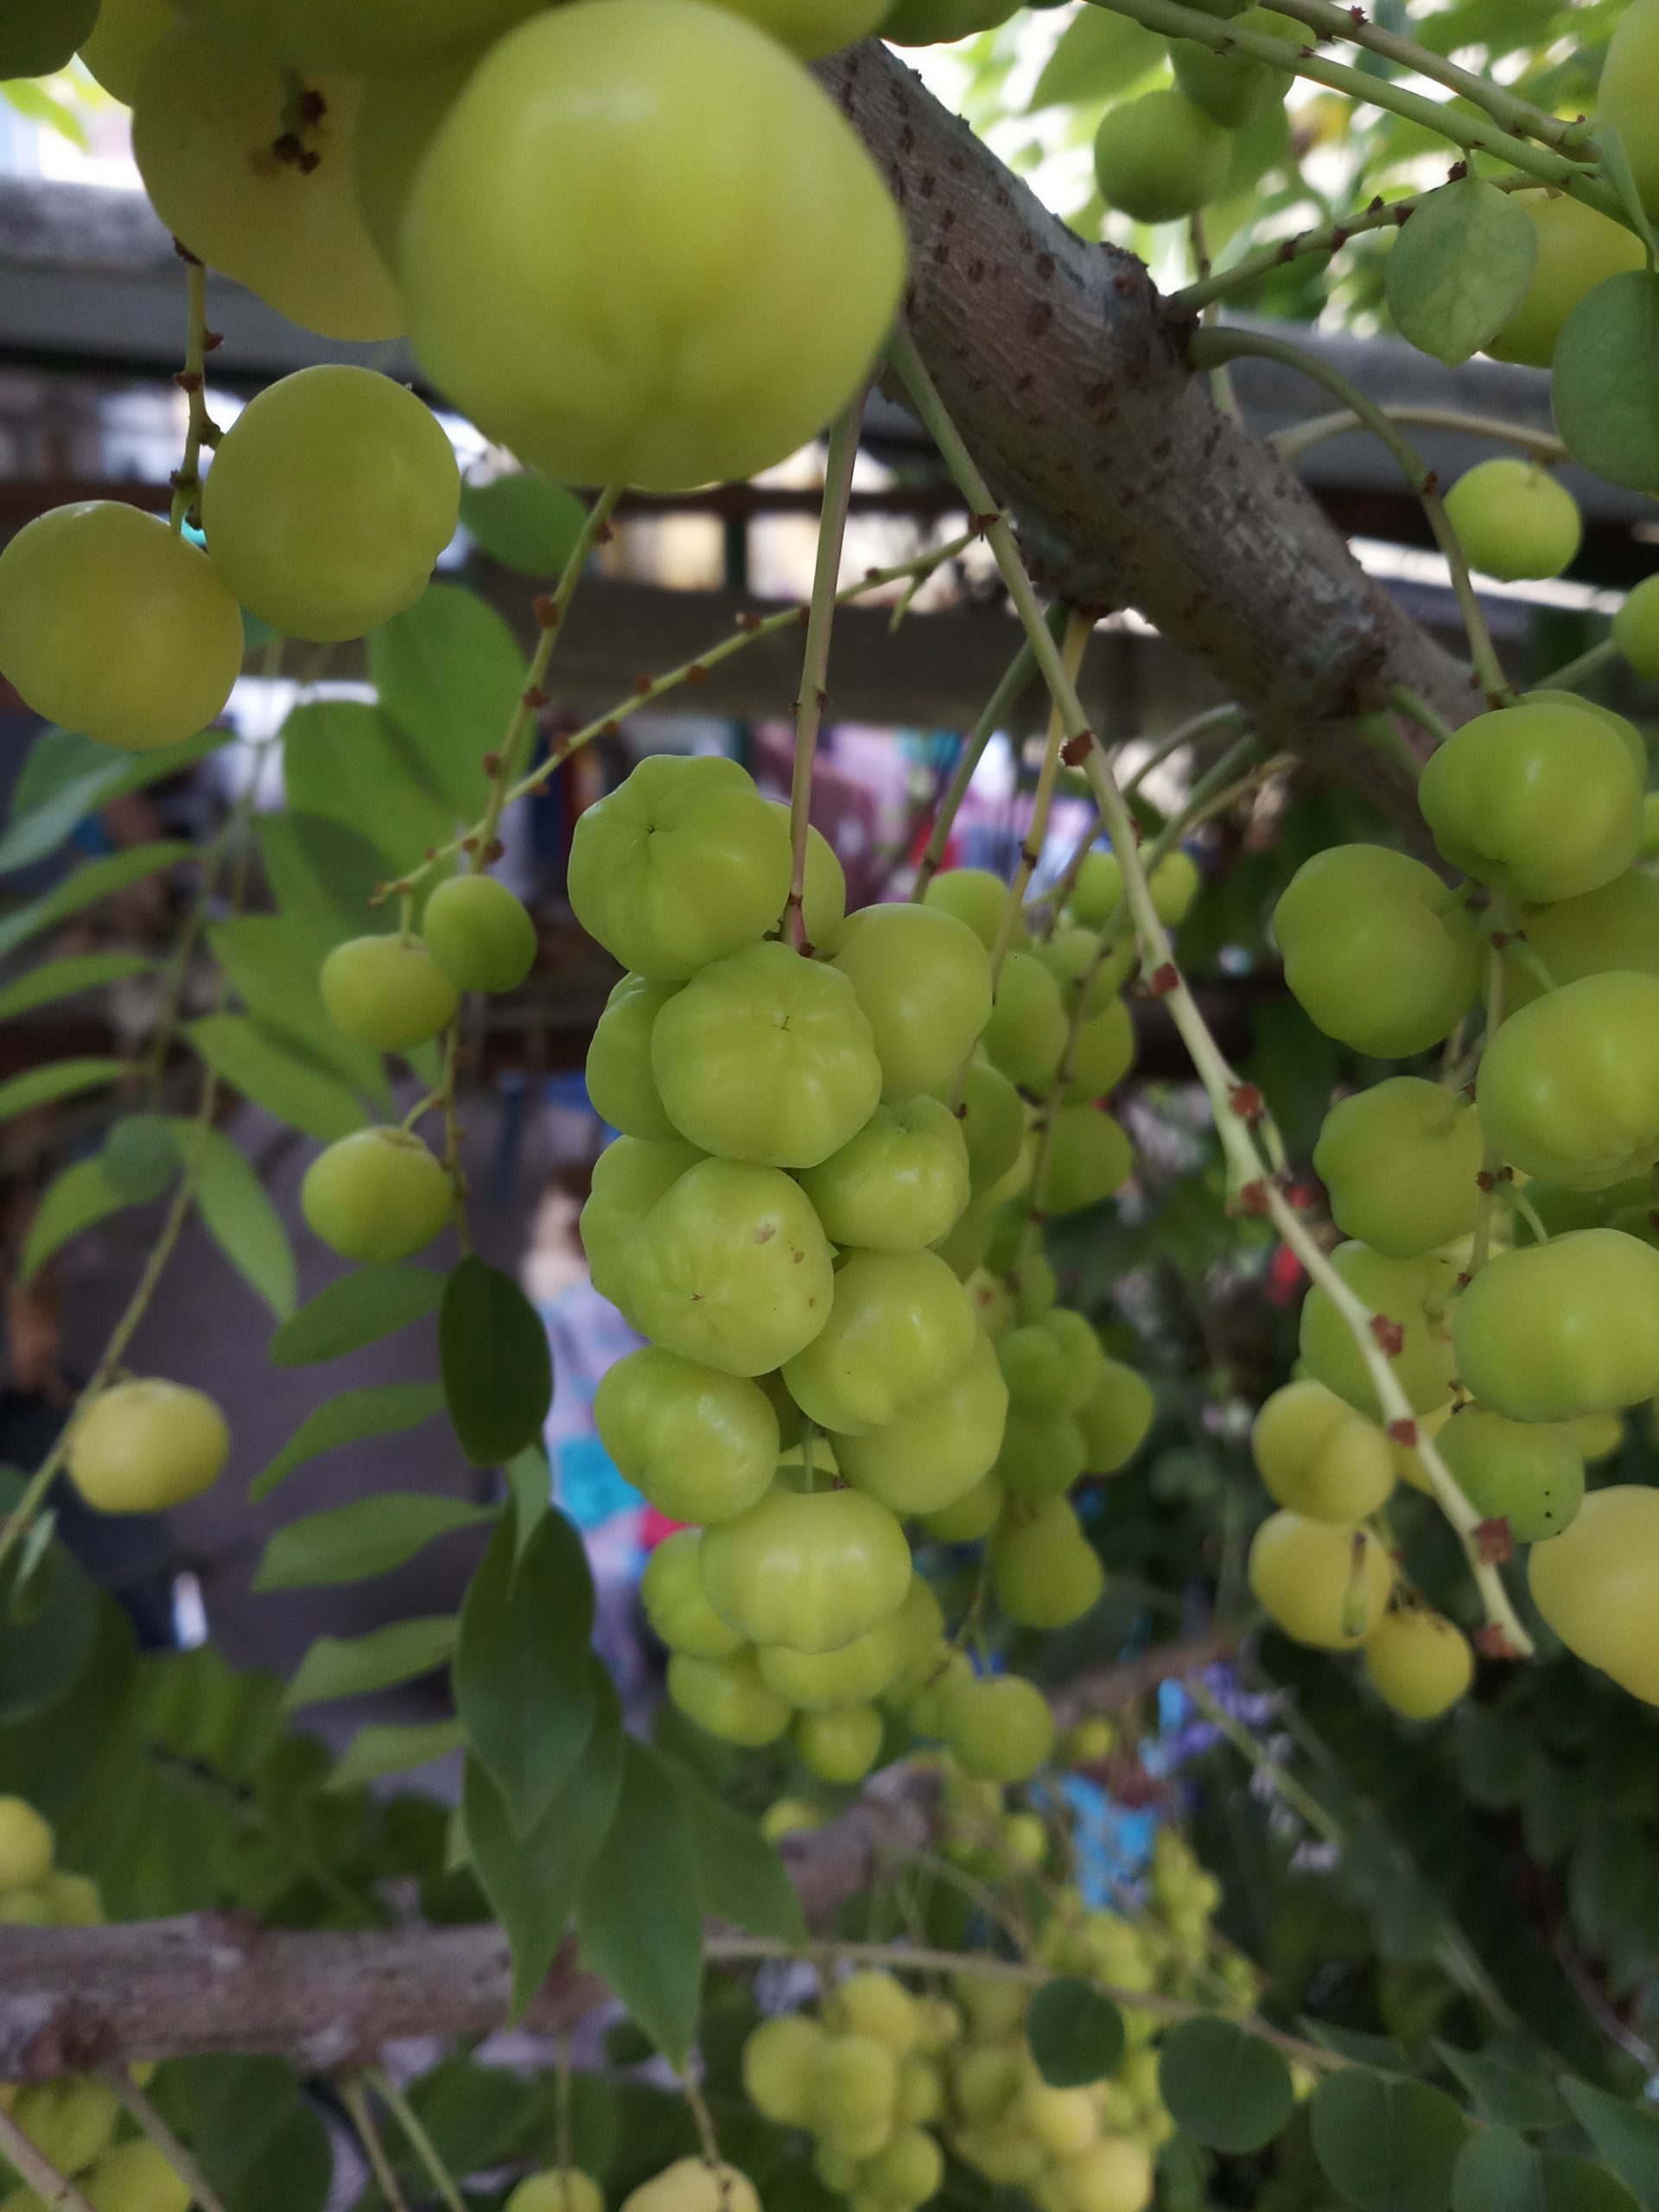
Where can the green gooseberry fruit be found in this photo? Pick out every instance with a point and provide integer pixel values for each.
(780, 2059)
(900, 1182)
(26, 1845)
(70, 2122)
(629, 1177)
(1616, 925)
(1116, 1420)
(839, 1743)
(135, 2178)
(1636, 626)
(670, 1590)
(1319, 1458)
(1568, 1089)
(1549, 1332)
(376, 1195)
(1375, 952)
(860, 1670)
(1578, 248)
(556, 2188)
(1325, 1584)
(1041, 1373)
(974, 895)
(1528, 1473)
(1103, 1053)
(966, 1245)
(999, 1727)
(807, 1569)
(1418, 1664)
(1073, 956)
(387, 992)
(1597, 1585)
(725, 1696)
(940, 1446)
(1046, 1572)
(993, 1124)
(1159, 158)
(1232, 89)
(1088, 1158)
(1400, 1162)
(854, 2087)
(1627, 97)
(479, 934)
(144, 1445)
(621, 1088)
(899, 1326)
(924, 981)
(969, 1518)
(1042, 1453)
(1514, 521)
(1025, 1034)
(699, 1445)
(1413, 1295)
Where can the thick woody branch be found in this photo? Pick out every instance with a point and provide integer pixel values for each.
(1065, 371)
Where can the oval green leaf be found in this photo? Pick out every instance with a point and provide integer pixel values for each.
(1606, 384)
(1226, 2089)
(1459, 269)
(1388, 2145)
(1075, 2033)
(497, 1371)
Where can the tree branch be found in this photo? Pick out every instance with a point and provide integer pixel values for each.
(1065, 372)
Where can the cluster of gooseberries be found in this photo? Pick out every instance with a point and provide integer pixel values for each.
(814, 1138)
(1497, 1217)
(74, 2121)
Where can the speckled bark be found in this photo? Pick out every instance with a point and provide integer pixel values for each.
(1063, 371)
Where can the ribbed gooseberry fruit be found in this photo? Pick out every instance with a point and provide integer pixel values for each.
(1418, 1664)
(731, 1268)
(387, 992)
(1552, 1331)
(1399, 1160)
(807, 1569)
(144, 1445)
(924, 981)
(1318, 1457)
(1375, 952)
(1325, 1584)
(375, 1195)
(701, 1445)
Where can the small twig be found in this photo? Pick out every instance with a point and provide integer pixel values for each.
(356, 2106)
(425, 2148)
(839, 463)
(42, 2176)
(144, 2114)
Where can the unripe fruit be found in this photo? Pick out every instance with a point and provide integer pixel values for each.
(1514, 521)
(1568, 1089)
(1578, 249)
(628, 1179)
(941, 23)
(121, 43)
(1420, 1663)
(900, 1182)
(375, 1195)
(1158, 158)
(694, 2185)
(1046, 1572)
(1542, 801)
(1116, 1420)
(781, 317)
(1064, 2121)
(809, 1570)
(1324, 1585)
(924, 983)
(940, 1446)
(1231, 89)
(387, 992)
(852, 1674)
(1104, 1052)
(479, 934)
(1072, 955)
(560, 2189)
(371, 37)
(289, 230)
(69, 2122)
(621, 1087)
(907, 2172)
(1039, 1376)
(1088, 1158)
(854, 2088)
(141, 1447)
(329, 499)
(899, 1327)
(1528, 1473)
(780, 2059)
(871, 2002)
(1042, 1453)
(26, 1845)
(135, 2178)
(970, 1517)
(995, 2008)
(726, 1696)
(765, 1057)
(920, 1621)
(670, 1590)
(999, 1726)
(1400, 1162)
(993, 1124)
(701, 1445)
(1636, 626)
(169, 633)
(1375, 952)
(974, 895)
(1598, 1585)
(1026, 1033)
(1411, 1294)
(1113, 2175)
(1626, 96)
(682, 864)
(1319, 1458)
(921, 2094)
(1616, 925)
(1552, 1331)
(731, 1268)
(838, 1743)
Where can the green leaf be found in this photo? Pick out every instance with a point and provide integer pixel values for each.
(1098, 57)
(48, 1630)
(345, 759)
(497, 1368)
(1616, 167)
(388, 1748)
(359, 1309)
(267, 2150)
(378, 1409)
(264, 1070)
(346, 1666)
(1226, 2089)
(530, 1485)
(524, 522)
(277, 983)
(1493, 1754)
(1388, 2145)
(84, 886)
(741, 1876)
(324, 875)
(1502, 2093)
(450, 675)
(1459, 269)
(62, 979)
(77, 1196)
(521, 1673)
(1626, 2136)
(67, 777)
(1498, 2172)
(370, 1536)
(1605, 381)
(143, 1156)
(60, 1080)
(1076, 2034)
(243, 1223)
(640, 1909)
(533, 1878)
